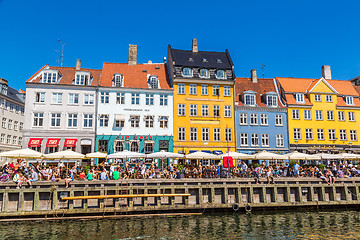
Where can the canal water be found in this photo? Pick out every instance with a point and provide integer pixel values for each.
(270, 225)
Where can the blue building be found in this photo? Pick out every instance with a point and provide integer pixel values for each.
(261, 117)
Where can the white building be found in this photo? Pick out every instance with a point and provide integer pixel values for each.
(61, 109)
(11, 116)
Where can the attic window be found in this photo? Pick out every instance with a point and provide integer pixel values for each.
(271, 100)
(191, 59)
(349, 100)
(250, 100)
(220, 74)
(49, 77)
(82, 78)
(218, 60)
(4, 89)
(299, 97)
(205, 60)
(118, 80)
(187, 72)
(154, 82)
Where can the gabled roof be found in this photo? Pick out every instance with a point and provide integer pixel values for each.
(14, 94)
(135, 76)
(262, 87)
(314, 84)
(67, 75)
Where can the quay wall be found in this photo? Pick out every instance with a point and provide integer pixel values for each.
(45, 199)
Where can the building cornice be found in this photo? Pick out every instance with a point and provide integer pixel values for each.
(264, 109)
(208, 81)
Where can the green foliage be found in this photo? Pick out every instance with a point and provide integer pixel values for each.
(254, 165)
(87, 169)
(181, 168)
(321, 166)
(292, 163)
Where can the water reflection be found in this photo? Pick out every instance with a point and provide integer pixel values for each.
(288, 225)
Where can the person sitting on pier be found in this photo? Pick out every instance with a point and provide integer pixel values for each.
(331, 176)
(257, 172)
(71, 177)
(34, 176)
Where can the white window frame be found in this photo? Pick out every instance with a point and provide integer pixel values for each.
(181, 88)
(265, 141)
(164, 121)
(56, 117)
(135, 98)
(329, 98)
(320, 134)
(193, 110)
(300, 98)
(319, 115)
(88, 120)
(204, 89)
(72, 121)
(217, 134)
(353, 135)
(254, 140)
(351, 116)
(163, 99)
(253, 119)
(341, 116)
(120, 98)
(204, 110)
(205, 134)
(104, 120)
(38, 119)
(317, 98)
(149, 121)
(280, 140)
(343, 135)
(279, 120)
(216, 90)
(40, 97)
(244, 140)
(332, 134)
(193, 134)
(202, 71)
(271, 101)
(308, 134)
(216, 110)
(250, 99)
(307, 114)
(73, 99)
(56, 98)
(330, 115)
(193, 89)
(149, 99)
(221, 74)
(296, 114)
(228, 134)
(227, 91)
(104, 97)
(89, 99)
(264, 119)
(349, 100)
(135, 121)
(182, 133)
(243, 119)
(227, 111)
(297, 133)
(181, 109)
(187, 72)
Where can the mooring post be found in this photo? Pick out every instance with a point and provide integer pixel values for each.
(36, 200)
(5, 201)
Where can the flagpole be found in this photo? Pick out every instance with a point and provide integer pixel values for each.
(227, 145)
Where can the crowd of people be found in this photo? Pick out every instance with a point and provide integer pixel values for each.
(20, 174)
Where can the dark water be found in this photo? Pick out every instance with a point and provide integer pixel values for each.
(288, 225)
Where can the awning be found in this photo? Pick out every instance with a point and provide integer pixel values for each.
(207, 151)
(218, 152)
(70, 142)
(191, 151)
(149, 142)
(85, 142)
(119, 117)
(35, 142)
(52, 142)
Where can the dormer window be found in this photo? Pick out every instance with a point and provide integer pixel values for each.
(349, 100)
(187, 72)
(118, 80)
(4, 89)
(250, 100)
(82, 78)
(205, 60)
(220, 74)
(271, 100)
(49, 77)
(153, 82)
(191, 59)
(299, 97)
(218, 60)
(204, 73)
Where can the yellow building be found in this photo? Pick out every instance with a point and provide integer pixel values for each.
(322, 113)
(203, 85)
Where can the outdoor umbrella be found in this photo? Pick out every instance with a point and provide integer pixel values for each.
(265, 155)
(162, 155)
(327, 156)
(126, 154)
(301, 156)
(236, 155)
(349, 156)
(22, 153)
(202, 155)
(67, 154)
(96, 155)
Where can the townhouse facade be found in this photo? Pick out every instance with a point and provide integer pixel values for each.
(135, 107)
(261, 118)
(12, 104)
(61, 109)
(322, 113)
(203, 84)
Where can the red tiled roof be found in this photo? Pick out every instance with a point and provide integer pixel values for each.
(290, 99)
(21, 91)
(135, 76)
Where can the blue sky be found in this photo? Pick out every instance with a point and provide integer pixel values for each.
(292, 38)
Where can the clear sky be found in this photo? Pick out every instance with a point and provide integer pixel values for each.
(293, 38)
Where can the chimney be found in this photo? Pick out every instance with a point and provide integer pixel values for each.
(78, 64)
(3, 81)
(132, 54)
(254, 76)
(194, 45)
(326, 71)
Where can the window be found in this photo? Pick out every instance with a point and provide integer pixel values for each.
(181, 109)
(149, 121)
(254, 139)
(217, 135)
(329, 98)
(21, 126)
(216, 90)
(193, 134)
(38, 119)
(228, 134)
(264, 140)
(56, 98)
(135, 121)
(253, 119)
(164, 121)
(20, 141)
(55, 119)
(297, 133)
(295, 114)
(272, 101)
(220, 74)
(134, 146)
(14, 140)
(2, 138)
(119, 123)
(349, 100)
(104, 97)
(205, 134)
(332, 134)
(250, 99)
(72, 120)
(88, 120)
(320, 134)
(154, 82)
(330, 115)
(279, 140)
(3, 122)
(227, 91)
(181, 88)
(343, 136)
(49, 77)
(135, 98)
(103, 145)
(204, 90)
(318, 115)
(120, 98)
(82, 79)
(263, 119)
(8, 139)
(118, 146)
(353, 135)
(73, 98)
(118, 80)
(10, 124)
(193, 110)
(88, 99)
(104, 120)
(187, 72)
(163, 100)
(149, 99)
(243, 119)
(204, 73)
(193, 89)
(149, 148)
(278, 120)
(181, 131)
(244, 139)
(341, 115)
(16, 125)
(205, 110)
(317, 98)
(40, 97)
(352, 116)
(308, 134)
(227, 111)
(299, 97)
(216, 110)
(307, 114)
